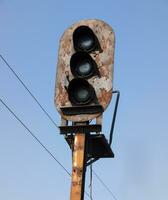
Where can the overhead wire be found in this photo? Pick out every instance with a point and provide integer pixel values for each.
(28, 90)
(50, 118)
(35, 137)
(105, 186)
(91, 183)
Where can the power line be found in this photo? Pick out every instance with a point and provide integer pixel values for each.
(91, 183)
(28, 90)
(105, 186)
(38, 141)
(47, 114)
(32, 134)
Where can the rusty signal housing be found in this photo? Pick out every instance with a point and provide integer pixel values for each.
(102, 83)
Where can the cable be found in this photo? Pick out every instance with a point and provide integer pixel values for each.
(38, 141)
(32, 134)
(105, 186)
(27, 89)
(91, 183)
(50, 118)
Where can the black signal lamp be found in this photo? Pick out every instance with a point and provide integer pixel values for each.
(82, 65)
(84, 39)
(80, 92)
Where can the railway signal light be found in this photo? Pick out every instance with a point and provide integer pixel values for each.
(85, 71)
(83, 91)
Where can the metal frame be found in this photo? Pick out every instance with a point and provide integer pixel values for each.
(117, 92)
(114, 115)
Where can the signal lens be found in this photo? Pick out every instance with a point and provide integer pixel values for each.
(84, 39)
(82, 65)
(80, 92)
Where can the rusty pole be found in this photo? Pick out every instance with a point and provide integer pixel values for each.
(78, 167)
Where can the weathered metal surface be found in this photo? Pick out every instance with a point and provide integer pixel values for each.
(98, 146)
(78, 168)
(104, 59)
(85, 109)
(80, 128)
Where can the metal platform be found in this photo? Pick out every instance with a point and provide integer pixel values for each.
(98, 146)
(84, 109)
(80, 128)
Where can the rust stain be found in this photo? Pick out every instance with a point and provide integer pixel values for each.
(62, 98)
(104, 72)
(105, 96)
(76, 183)
(78, 171)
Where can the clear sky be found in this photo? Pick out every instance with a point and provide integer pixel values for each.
(29, 38)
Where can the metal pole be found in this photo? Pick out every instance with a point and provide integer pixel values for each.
(78, 167)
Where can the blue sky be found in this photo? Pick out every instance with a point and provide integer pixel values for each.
(29, 38)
